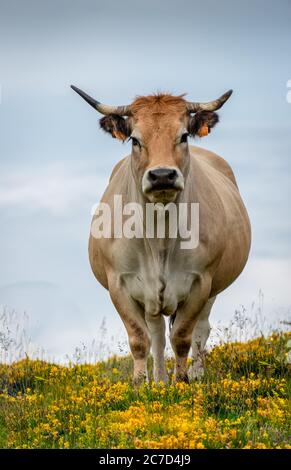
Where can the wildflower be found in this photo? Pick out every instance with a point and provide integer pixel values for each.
(235, 405)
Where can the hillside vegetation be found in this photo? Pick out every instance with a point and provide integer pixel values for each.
(241, 402)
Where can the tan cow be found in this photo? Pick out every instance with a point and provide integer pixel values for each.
(150, 278)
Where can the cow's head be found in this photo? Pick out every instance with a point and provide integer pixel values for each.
(159, 126)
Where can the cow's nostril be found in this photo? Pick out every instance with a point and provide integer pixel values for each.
(173, 175)
(152, 176)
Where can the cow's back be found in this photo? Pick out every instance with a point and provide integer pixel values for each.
(212, 159)
(216, 181)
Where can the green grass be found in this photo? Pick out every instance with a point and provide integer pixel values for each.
(242, 401)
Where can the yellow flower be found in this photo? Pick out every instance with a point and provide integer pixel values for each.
(200, 445)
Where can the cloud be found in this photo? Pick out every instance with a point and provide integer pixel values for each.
(52, 188)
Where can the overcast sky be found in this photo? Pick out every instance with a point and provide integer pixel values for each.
(55, 162)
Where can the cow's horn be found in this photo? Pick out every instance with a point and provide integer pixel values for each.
(210, 106)
(103, 108)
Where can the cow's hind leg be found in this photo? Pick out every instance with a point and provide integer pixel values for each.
(199, 338)
(157, 329)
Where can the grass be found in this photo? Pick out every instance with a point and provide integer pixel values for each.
(242, 402)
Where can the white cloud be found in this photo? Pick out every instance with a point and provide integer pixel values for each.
(53, 188)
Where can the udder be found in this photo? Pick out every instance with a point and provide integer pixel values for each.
(158, 294)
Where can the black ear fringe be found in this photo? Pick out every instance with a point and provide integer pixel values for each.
(201, 118)
(115, 124)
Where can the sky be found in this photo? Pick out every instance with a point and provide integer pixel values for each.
(55, 162)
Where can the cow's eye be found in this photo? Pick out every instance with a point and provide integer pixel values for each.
(135, 142)
(184, 138)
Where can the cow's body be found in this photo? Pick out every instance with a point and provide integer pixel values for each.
(150, 278)
(156, 276)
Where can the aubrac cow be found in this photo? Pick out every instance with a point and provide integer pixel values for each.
(150, 278)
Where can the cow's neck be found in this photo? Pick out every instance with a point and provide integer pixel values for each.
(160, 248)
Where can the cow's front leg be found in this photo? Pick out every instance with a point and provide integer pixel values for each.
(157, 329)
(184, 323)
(138, 334)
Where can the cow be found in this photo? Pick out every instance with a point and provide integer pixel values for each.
(149, 279)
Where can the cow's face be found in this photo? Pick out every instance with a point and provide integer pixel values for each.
(159, 128)
(160, 154)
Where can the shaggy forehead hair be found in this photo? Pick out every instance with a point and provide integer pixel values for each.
(162, 103)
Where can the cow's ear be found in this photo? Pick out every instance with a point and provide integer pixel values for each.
(202, 122)
(116, 125)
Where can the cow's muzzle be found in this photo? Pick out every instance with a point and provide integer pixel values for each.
(162, 183)
(162, 178)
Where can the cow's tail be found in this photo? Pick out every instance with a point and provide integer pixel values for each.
(171, 320)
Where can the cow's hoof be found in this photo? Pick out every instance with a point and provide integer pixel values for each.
(196, 372)
(139, 380)
(161, 377)
(182, 378)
